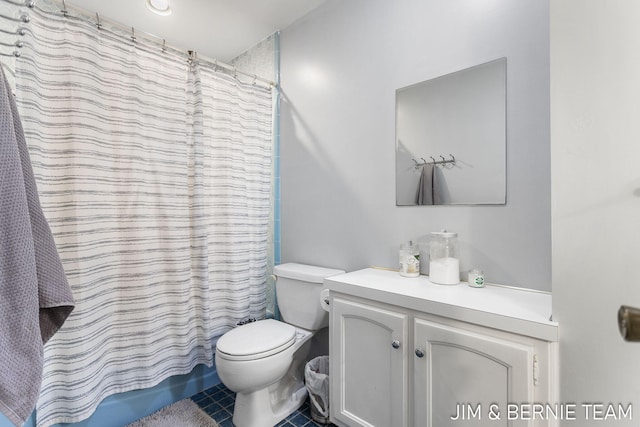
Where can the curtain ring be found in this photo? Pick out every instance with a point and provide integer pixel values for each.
(452, 158)
(133, 35)
(98, 24)
(434, 160)
(31, 4)
(255, 79)
(164, 46)
(64, 10)
(443, 159)
(193, 55)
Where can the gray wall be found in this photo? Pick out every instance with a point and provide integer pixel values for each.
(340, 67)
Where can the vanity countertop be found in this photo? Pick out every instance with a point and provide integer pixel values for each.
(517, 310)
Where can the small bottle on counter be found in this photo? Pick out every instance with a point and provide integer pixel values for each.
(409, 260)
(476, 278)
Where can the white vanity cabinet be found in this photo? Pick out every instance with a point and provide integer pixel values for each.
(478, 368)
(402, 354)
(368, 354)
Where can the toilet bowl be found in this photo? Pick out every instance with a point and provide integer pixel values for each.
(263, 361)
(267, 382)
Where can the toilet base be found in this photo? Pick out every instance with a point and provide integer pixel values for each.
(268, 405)
(262, 408)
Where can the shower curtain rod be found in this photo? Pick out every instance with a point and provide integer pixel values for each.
(191, 55)
(28, 3)
(18, 31)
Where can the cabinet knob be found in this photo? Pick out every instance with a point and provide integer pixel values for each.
(395, 344)
(419, 352)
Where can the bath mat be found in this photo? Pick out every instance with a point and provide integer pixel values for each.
(184, 413)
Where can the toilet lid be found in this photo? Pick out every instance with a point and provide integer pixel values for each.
(256, 340)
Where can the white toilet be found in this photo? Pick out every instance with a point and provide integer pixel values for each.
(263, 362)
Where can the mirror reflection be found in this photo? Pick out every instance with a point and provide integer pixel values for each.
(451, 138)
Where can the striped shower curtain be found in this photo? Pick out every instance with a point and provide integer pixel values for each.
(155, 176)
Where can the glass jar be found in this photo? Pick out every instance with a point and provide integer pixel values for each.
(476, 278)
(409, 260)
(444, 264)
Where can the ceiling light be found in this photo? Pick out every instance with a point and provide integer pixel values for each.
(161, 7)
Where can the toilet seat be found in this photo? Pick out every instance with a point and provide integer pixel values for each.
(256, 340)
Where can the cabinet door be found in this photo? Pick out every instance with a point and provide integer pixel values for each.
(368, 365)
(463, 373)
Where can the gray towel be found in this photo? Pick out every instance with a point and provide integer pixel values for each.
(424, 196)
(428, 193)
(35, 298)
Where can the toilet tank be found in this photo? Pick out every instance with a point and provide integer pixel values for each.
(298, 289)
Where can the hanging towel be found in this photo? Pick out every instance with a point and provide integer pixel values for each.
(424, 196)
(437, 185)
(35, 298)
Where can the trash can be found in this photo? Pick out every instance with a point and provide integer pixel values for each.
(316, 376)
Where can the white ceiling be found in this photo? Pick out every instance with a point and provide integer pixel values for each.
(219, 29)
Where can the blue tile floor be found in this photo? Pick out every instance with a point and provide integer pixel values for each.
(218, 402)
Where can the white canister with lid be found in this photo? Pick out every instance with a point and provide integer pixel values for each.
(444, 264)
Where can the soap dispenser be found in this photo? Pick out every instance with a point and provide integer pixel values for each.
(409, 260)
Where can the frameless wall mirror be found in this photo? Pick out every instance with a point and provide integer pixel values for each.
(451, 138)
